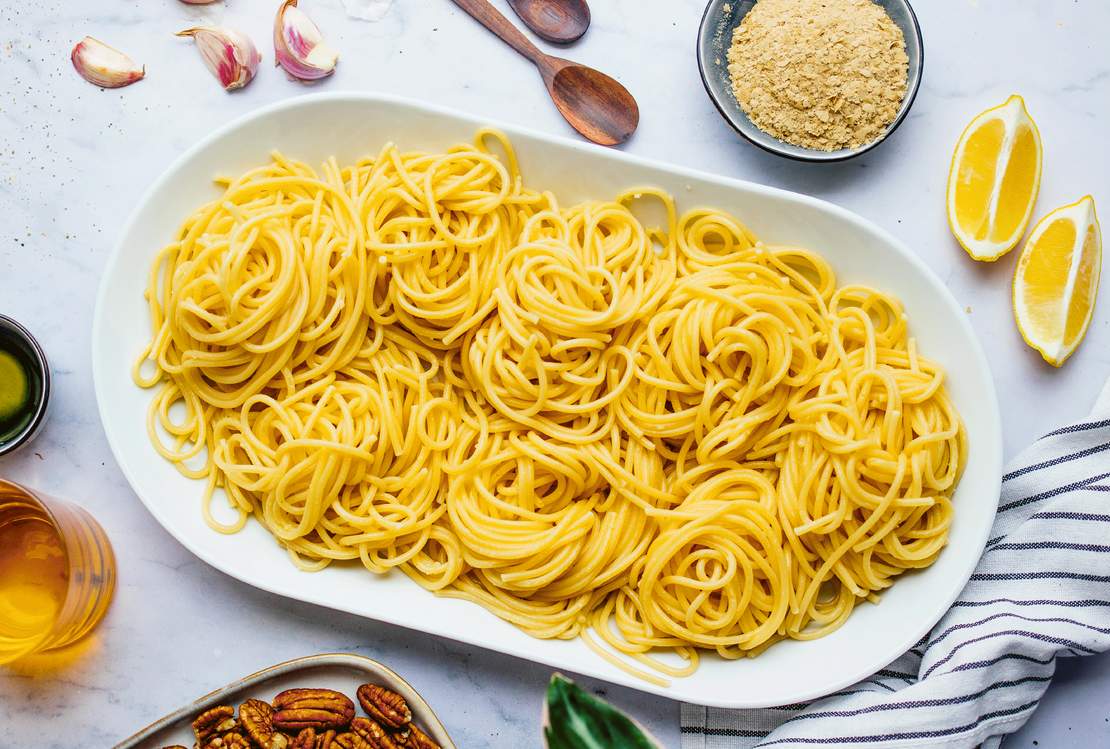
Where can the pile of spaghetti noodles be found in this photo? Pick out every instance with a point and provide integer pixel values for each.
(662, 439)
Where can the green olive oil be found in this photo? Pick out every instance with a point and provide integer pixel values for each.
(20, 386)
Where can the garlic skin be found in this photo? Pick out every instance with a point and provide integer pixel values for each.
(230, 55)
(299, 46)
(104, 66)
(366, 10)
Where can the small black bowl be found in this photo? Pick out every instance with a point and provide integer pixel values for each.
(31, 352)
(721, 18)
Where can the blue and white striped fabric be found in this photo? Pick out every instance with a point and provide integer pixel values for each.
(1041, 591)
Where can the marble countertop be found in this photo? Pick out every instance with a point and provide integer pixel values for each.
(74, 160)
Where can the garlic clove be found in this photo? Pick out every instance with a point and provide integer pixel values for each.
(104, 66)
(198, 2)
(299, 46)
(230, 55)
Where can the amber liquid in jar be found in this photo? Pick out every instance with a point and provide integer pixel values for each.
(57, 573)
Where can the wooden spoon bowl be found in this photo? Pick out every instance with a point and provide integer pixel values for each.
(557, 21)
(595, 104)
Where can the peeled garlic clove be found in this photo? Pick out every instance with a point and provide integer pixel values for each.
(231, 56)
(299, 46)
(104, 66)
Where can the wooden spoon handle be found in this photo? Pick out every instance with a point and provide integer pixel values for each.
(489, 17)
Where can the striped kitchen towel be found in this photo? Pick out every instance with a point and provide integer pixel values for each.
(1041, 591)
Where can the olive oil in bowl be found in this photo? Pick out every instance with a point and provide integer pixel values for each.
(24, 385)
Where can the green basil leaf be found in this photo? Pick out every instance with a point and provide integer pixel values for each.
(575, 719)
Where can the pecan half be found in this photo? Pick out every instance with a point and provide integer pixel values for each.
(212, 721)
(257, 719)
(384, 705)
(229, 740)
(374, 734)
(306, 739)
(326, 740)
(401, 735)
(419, 740)
(319, 709)
(350, 741)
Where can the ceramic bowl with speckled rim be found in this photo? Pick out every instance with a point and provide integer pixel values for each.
(721, 18)
(339, 671)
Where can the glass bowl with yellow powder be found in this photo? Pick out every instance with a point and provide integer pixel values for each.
(24, 386)
(814, 80)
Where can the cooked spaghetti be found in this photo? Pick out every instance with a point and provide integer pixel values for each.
(661, 438)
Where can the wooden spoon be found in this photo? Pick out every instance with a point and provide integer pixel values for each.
(558, 21)
(594, 104)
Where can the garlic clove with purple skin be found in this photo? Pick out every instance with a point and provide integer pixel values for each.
(104, 66)
(299, 46)
(230, 55)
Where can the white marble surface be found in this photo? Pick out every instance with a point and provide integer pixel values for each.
(75, 159)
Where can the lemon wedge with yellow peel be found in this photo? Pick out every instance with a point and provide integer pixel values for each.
(994, 179)
(1056, 281)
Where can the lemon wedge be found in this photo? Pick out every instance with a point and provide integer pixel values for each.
(1056, 281)
(994, 179)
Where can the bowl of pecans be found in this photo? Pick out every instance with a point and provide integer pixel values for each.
(319, 702)
(812, 80)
